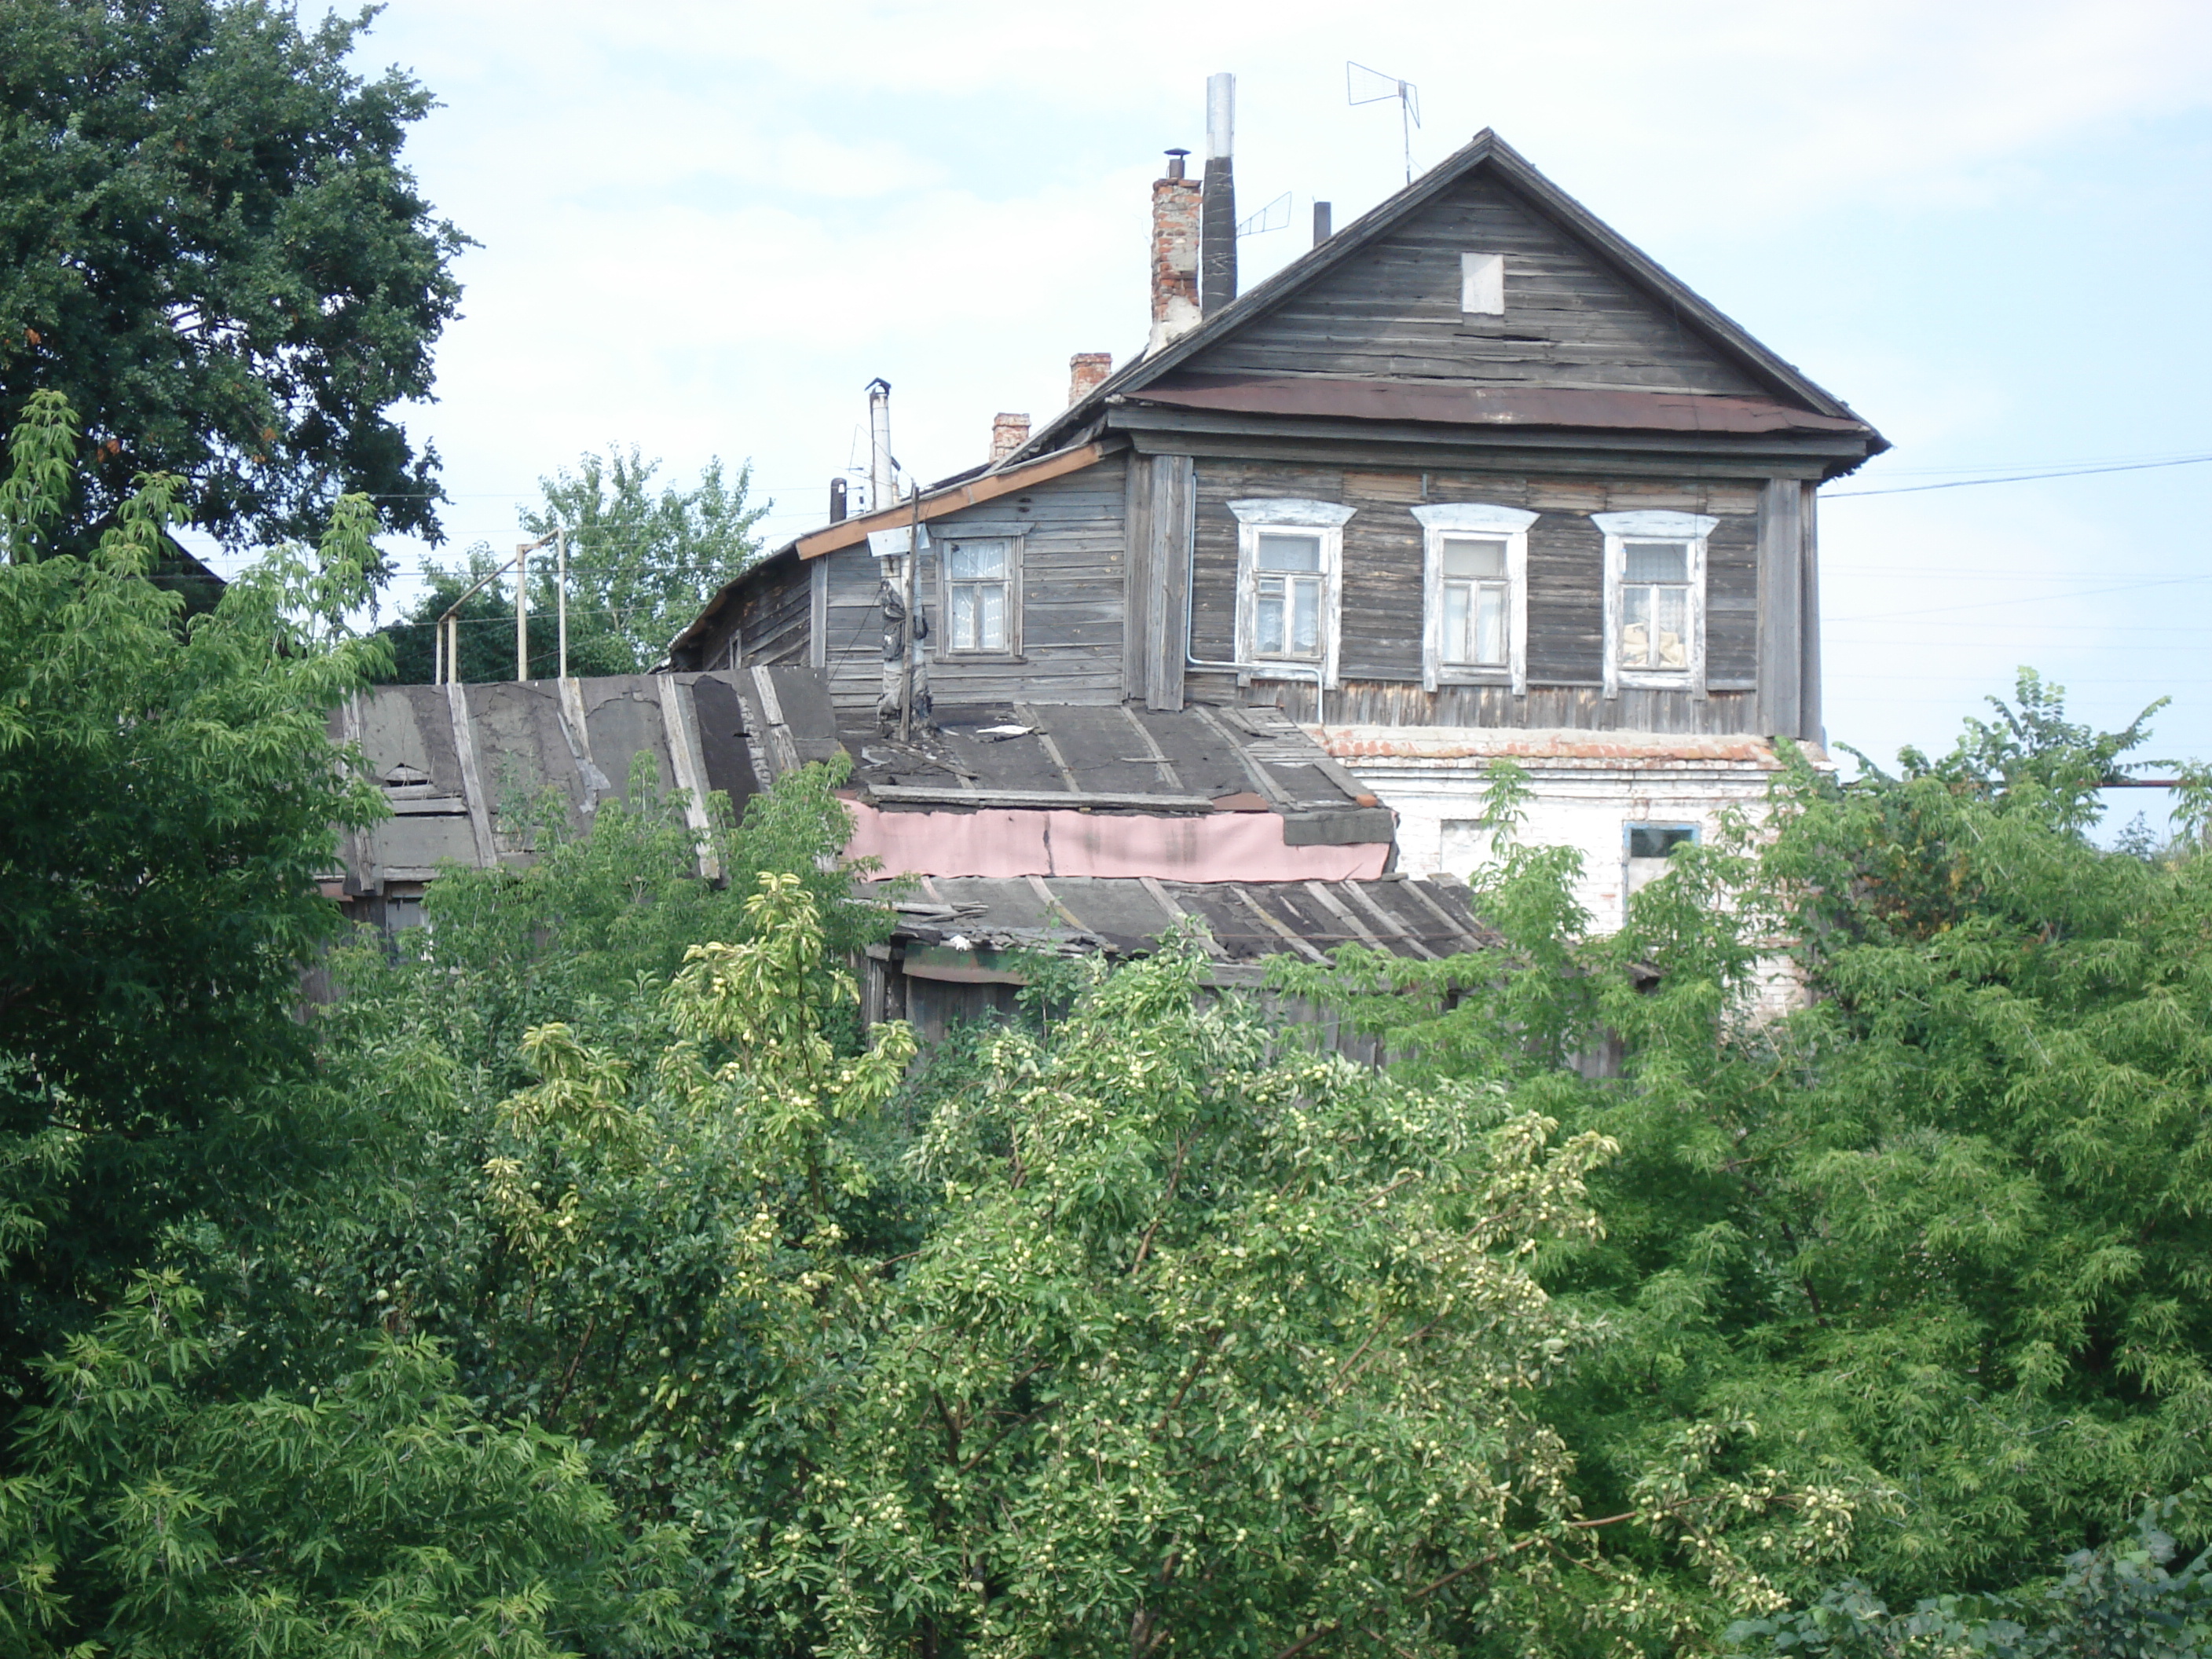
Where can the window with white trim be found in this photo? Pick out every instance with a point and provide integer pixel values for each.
(1289, 567)
(1474, 594)
(1654, 600)
(980, 596)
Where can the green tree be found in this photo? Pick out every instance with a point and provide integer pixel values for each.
(642, 562)
(2119, 1601)
(1212, 1349)
(174, 793)
(375, 1515)
(209, 245)
(1940, 1230)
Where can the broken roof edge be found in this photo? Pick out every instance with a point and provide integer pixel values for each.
(970, 487)
(1730, 338)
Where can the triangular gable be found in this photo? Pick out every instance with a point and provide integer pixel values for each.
(1379, 299)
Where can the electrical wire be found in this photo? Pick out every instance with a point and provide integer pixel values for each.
(2019, 477)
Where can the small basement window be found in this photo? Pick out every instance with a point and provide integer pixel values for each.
(1659, 840)
(1650, 845)
(1482, 284)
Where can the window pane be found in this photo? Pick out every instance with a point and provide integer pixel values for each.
(1636, 627)
(1267, 631)
(1466, 557)
(964, 619)
(1305, 617)
(1657, 561)
(1658, 840)
(971, 561)
(991, 616)
(1458, 601)
(1489, 624)
(1670, 644)
(1289, 552)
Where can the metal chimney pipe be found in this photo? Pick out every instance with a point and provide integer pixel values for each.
(1320, 223)
(836, 501)
(879, 445)
(1218, 220)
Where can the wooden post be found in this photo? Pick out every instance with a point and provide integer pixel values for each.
(522, 611)
(560, 593)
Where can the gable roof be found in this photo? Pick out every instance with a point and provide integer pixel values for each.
(1490, 155)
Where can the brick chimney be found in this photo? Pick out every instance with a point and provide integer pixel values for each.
(1086, 373)
(1176, 201)
(1008, 434)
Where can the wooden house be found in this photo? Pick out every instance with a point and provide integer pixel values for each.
(1472, 478)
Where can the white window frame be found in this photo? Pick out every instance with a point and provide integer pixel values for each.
(1621, 528)
(941, 627)
(1323, 518)
(1441, 520)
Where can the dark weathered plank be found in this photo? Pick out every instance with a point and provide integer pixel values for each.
(1392, 312)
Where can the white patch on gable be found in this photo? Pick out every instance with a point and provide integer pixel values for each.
(1482, 284)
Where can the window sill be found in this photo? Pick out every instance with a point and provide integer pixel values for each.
(1645, 679)
(954, 659)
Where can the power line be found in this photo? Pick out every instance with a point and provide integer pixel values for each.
(2027, 598)
(2020, 477)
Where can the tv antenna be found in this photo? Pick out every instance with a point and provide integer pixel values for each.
(1362, 85)
(1276, 216)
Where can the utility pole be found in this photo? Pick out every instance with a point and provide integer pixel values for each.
(522, 609)
(560, 592)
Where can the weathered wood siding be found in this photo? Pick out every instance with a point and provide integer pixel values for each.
(1391, 312)
(1072, 531)
(773, 621)
(1583, 707)
(1382, 618)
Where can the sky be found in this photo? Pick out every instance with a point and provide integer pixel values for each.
(705, 227)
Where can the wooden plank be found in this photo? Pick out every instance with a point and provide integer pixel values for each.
(1295, 940)
(1151, 747)
(1139, 576)
(1071, 800)
(1172, 515)
(818, 614)
(853, 531)
(465, 748)
(1399, 934)
(1780, 607)
(1809, 726)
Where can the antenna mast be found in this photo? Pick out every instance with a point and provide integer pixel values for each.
(1362, 85)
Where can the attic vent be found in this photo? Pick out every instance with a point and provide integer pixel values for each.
(1482, 284)
(404, 776)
